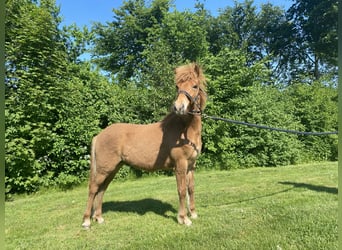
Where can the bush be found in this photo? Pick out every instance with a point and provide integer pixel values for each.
(316, 109)
(241, 146)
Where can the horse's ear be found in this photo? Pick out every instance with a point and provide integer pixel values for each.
(197, 69)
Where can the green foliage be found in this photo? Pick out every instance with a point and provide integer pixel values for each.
(302, 39)
(238, 93)
(258, 147)
(76, 41)
(315, 26)
(126, 36)
(53, 107)
(82, 106)
(34, 60)
(55, 102)
(316, 108)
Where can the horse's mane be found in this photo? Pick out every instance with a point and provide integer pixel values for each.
(193, 72)
(190, 72)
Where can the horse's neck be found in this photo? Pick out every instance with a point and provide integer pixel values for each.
(191, 125)
(196, 123)
(194, 127)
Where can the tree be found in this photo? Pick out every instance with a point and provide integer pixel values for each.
(260, 33)
(239, 92)
(159, 40)
(87, 103)
(120, 43)
(76, 41)
(233, 28)
(315, 27)
(53, 105)
(180, 38)
(35, 57)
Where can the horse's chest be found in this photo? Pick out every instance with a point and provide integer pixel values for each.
(186, 150)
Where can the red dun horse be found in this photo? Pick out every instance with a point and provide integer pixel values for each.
(173, 143)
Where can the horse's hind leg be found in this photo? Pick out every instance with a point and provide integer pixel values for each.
(93, 191)
(99, 196)
(98, 184)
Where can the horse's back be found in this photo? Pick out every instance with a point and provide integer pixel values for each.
(127, 133)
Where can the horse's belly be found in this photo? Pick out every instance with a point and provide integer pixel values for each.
(147, 158)
(147, 163)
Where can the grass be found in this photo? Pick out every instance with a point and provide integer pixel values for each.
(293, 207)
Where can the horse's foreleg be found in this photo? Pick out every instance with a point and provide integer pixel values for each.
(181, 176)
(191, 191)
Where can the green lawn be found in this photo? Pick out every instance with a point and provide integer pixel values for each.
(293, 207)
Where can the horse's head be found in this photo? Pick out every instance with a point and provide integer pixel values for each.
(190, 83)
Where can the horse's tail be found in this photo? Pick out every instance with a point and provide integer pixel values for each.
(93, 159)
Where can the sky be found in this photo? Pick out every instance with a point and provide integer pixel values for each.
(85, 12)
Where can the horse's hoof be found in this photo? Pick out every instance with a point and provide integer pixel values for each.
(86, 225)
(194, 215)
(99, 220)
(186, 221)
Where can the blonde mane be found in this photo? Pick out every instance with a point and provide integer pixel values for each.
(190, 72)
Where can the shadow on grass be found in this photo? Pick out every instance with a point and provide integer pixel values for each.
(259, 197)
(140, 207)
(317, 188)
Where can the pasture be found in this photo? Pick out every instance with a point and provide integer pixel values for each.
(292, 207)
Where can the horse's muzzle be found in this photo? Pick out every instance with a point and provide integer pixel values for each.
(180, 109)
(182, 103)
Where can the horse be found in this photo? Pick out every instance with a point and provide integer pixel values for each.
(174, 143)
